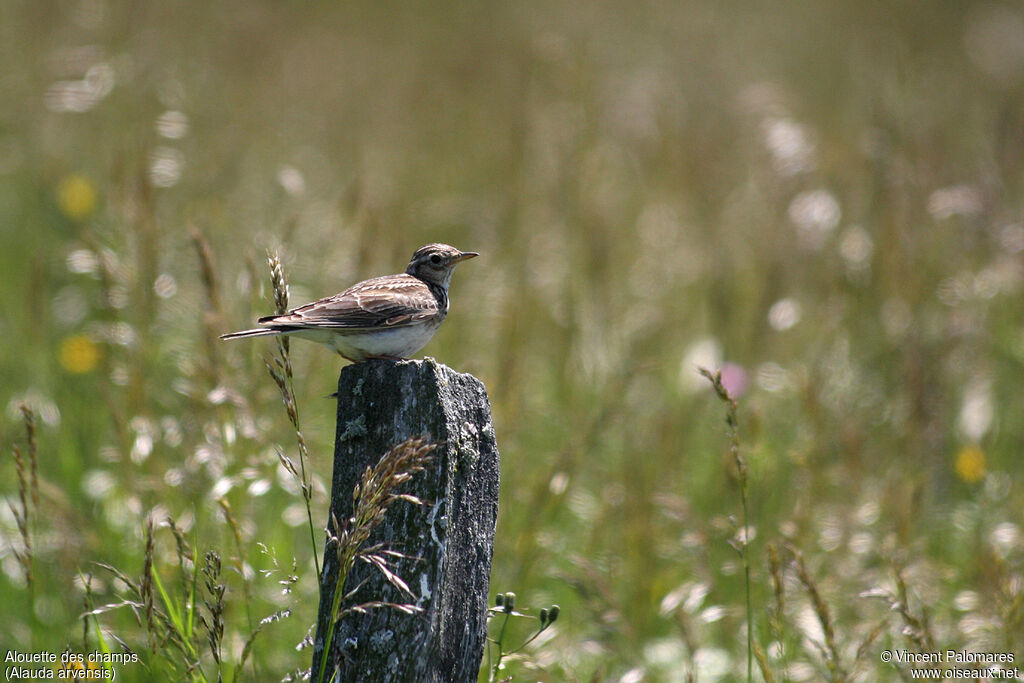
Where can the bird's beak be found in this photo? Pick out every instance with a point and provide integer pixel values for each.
(465, 255)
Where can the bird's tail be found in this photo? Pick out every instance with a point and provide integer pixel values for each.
(258, 332)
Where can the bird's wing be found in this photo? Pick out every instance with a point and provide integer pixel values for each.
(383, 302)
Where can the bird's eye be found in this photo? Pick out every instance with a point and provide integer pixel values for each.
(435, 259)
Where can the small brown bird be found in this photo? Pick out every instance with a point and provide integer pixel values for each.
(390, 317)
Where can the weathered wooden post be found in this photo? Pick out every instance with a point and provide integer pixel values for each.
(448, 541)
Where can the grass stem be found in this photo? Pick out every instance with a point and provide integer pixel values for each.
(280, 369)
(732, 421)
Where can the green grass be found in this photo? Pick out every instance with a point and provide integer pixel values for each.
(644, 181)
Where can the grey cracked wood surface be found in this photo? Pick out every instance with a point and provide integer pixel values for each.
(381, 404)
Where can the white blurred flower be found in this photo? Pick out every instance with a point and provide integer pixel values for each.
(165, 166)
(83, 261)
(704, 353)
(172, 124)
(291, 180)
(856, 247)
(1005, 539)
(773, 377)
(790, 145)
(165, 286)
(961, 200)
(221, 488)
(294, 515)
(712, 664)
(966, 601)
(96, 484)
(259, 487)
(815, 214)
(664, 652)
(976, 410)
(81, 96)
(712, 614)
(784, 314)
(635, 675)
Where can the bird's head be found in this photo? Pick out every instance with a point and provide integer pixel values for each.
(434, 263)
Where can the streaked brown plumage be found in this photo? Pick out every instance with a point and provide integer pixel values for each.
(385, 317)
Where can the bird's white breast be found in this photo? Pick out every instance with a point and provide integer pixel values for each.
(398, 342)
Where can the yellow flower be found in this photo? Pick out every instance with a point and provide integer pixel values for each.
(970, 464)
(75, 666)
(79, 354)
(76, 197)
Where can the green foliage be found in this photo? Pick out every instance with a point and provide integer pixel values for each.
(823, 200)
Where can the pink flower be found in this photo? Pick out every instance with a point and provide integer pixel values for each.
(734, 379)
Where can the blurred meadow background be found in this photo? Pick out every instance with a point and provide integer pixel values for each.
(821, 199)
